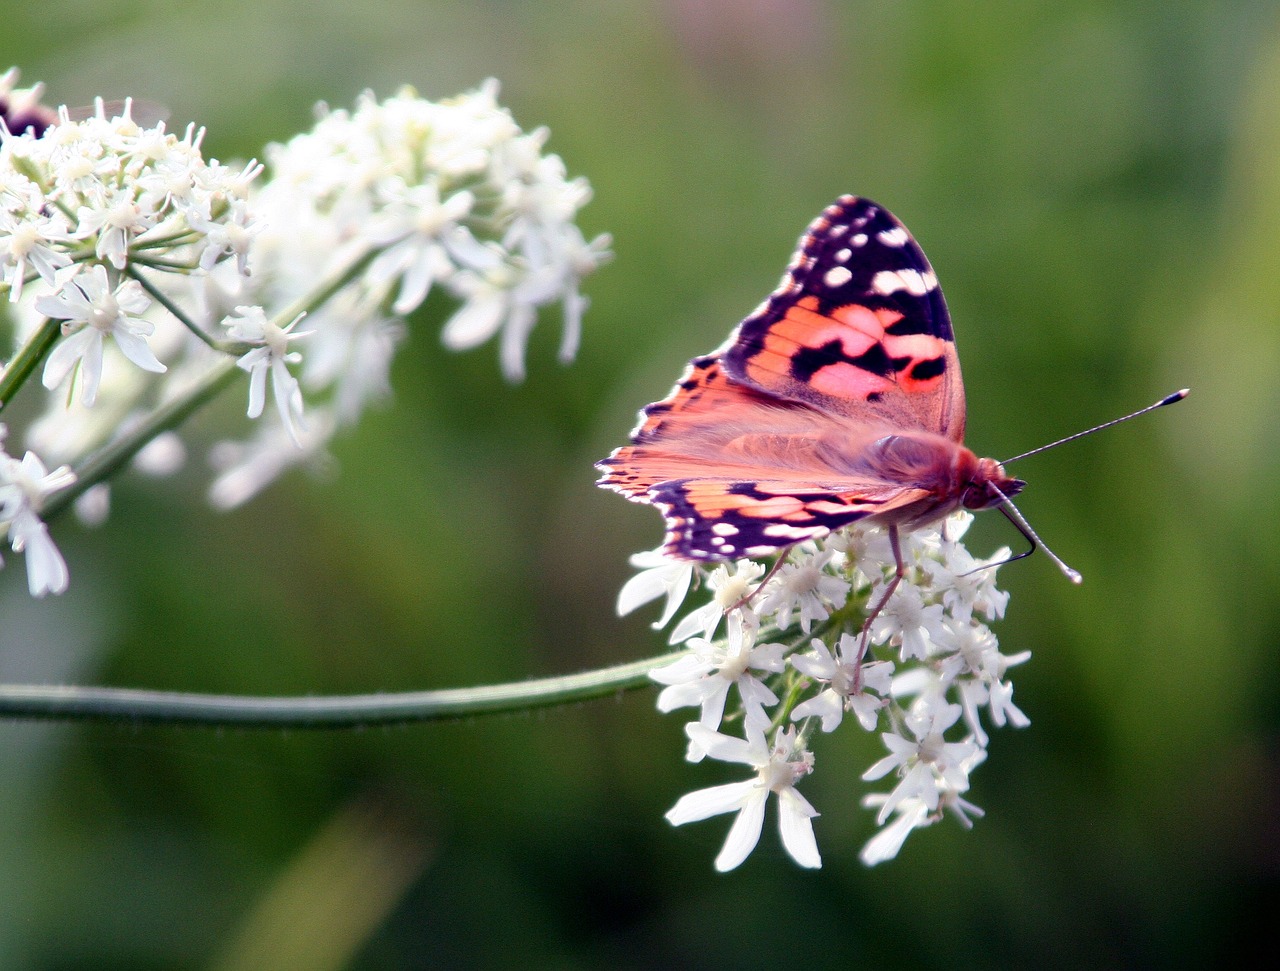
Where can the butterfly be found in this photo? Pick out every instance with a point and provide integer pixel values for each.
(838, 400)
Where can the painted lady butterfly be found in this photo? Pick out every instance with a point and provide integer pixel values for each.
(838, 400)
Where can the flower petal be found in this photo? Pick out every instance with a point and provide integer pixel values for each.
(744, 834)
(795, 826)
(705, 803)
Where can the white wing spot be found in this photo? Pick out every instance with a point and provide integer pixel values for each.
(839, 229)
(913, 281)
(844, 254)
(837, 276)
(793, 533)
(859, 240)
(725, 529)
(897, 236)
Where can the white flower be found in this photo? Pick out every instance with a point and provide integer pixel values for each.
(24, 485)
(729, 590)
(949, 665)
(272, 355)
(229, 237)
(929, 764)
(503, 300)
(803, 584)
(847, 687)
(778, 769)
(659, 576)
(704, 676)
(31, 238)
(413, 225)
(978, 668)
(866, 549)
(91, 309)
(911, 814)
(907, 621)
(115, 222)
(967, 584)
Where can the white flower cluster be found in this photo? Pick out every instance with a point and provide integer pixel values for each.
(798, 655)
(139, 274)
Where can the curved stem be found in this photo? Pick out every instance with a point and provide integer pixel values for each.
(69, 703)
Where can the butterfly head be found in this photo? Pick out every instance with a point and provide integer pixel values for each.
(989, 485)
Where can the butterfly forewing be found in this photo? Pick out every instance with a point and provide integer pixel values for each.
(858, 327)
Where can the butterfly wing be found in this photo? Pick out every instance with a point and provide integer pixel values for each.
(778, 437)
(736, 472)
(858, 328)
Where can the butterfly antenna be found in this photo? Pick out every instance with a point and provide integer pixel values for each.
(1014, 516)
(1167, 400)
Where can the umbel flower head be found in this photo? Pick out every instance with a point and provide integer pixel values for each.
(142, 277)
(799, 654)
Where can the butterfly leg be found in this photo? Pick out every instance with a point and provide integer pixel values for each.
(899, 571)
(777, 564)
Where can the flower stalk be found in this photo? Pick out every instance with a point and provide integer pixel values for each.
(70, 703)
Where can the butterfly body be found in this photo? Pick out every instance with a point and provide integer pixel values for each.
(838, 400)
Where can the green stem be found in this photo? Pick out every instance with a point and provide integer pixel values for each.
(24, 362)
(117, 454)
(69, 703)
(161, 298)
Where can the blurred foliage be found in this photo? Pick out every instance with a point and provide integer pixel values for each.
(1097, 185)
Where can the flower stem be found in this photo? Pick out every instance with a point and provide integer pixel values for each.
(69, 703)
(25, 361)
(161, 298)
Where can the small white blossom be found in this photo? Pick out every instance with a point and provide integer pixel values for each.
(967, 584)
(804, 585)
(907, 622)
(24, 485)
(91, 309)
(851, 685)
(659, 576)
(972, 660)
(704, 676)
(271, 356)
(730, 586)
(778, 768)
(927, 764)
(414, 225)
(866, 550)
(910, 814)
(31, 238)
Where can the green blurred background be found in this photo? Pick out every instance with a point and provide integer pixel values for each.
(1098, 187)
